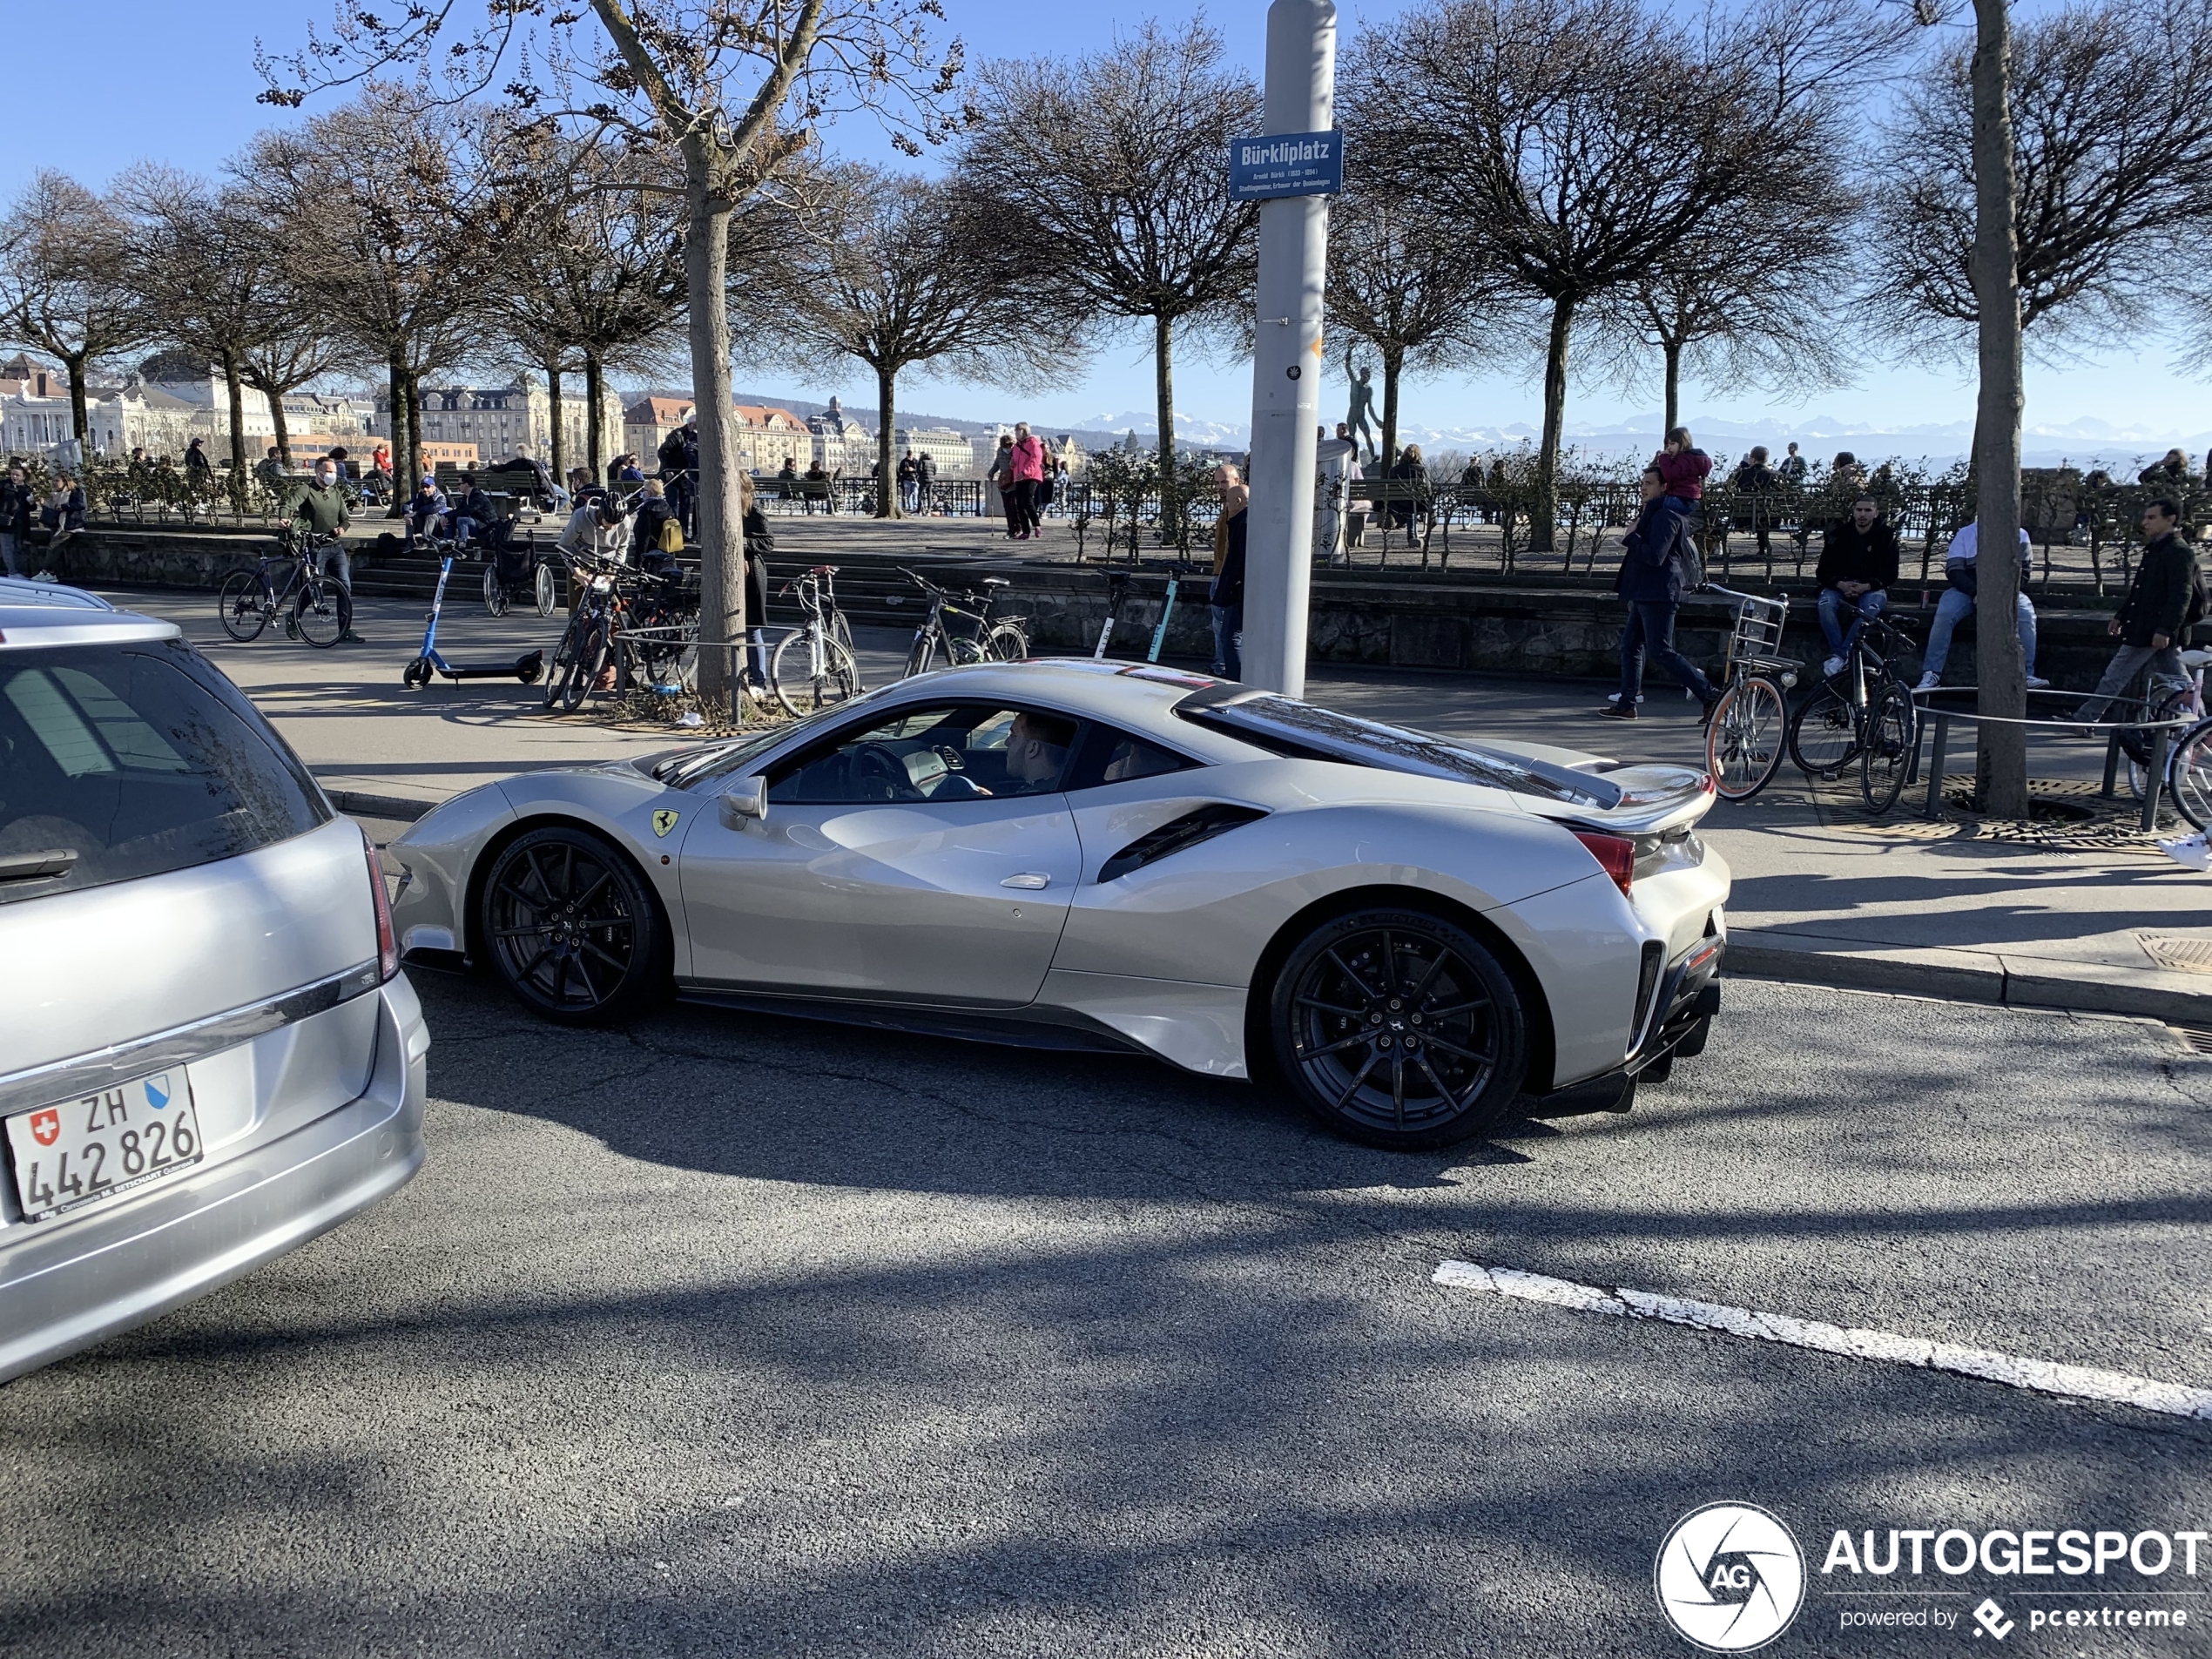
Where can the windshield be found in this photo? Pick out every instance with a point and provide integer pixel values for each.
(1284, 726)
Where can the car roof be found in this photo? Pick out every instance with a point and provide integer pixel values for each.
(37, 615)
(1138, 696)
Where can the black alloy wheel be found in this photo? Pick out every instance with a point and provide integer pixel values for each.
(568, 925)
(1399, 1029)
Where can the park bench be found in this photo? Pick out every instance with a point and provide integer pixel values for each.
(1383, 499)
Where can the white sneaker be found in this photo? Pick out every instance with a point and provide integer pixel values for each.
(1928, 681)
(46, 576)
(2037, 683)
(1833, 667)
(1615, 697)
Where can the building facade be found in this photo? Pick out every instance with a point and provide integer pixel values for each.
(955, 455)
(647, 422)
(766, 437)
(497, 419)
(842, 445)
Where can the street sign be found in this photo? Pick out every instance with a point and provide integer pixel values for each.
(1286, 164)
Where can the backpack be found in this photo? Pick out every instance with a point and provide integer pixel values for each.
(672, 536)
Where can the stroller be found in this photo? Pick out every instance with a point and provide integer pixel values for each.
(518, 570)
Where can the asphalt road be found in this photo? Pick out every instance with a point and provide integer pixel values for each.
(728, 1335)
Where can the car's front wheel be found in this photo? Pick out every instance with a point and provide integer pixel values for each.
(568, 926)
(1400, 1029)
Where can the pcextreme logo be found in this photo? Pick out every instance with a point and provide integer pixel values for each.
(1730, 1577)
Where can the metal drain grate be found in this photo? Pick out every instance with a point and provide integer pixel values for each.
(2195, 1038)
(2189, 956)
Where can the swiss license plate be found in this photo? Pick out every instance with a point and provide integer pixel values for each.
(80, 1151)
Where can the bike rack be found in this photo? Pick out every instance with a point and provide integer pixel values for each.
(1940, 717)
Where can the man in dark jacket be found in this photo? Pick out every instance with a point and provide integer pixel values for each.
(1228, 592)
(2159, 605)
(18, 506)
(1656, 557)
(679, 469)
(1857, 563)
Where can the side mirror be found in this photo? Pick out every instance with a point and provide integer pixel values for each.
(747, 797)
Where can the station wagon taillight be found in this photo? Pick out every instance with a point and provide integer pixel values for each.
(388, 942)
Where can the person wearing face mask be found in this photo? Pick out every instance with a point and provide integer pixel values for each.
(323, 518)
(1857, 563)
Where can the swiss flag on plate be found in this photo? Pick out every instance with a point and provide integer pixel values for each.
(46, 1127)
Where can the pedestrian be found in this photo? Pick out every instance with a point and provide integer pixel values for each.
(376, 483)
(584, 488)
(1411, 474)
(1048, 485)
(759, 542)
(269, 470)
(322, 516)
(649, 531)
(1754, 486)
(338, 458)
(1658, 564)
(925, 482)
(679, 469)
(2171, 474)
(627, 471)
(1228, 593)
(63, 512)
(1845, 474)
(594, 534)
(472, 510)
(1684, 466)
(1792, 470)
(1000, 477)
(18, 507)
(426, 511)
(1858, 565)
(1026, 468)
(2165, 599)
(199, 472)
(906, 482)
(1961, 573)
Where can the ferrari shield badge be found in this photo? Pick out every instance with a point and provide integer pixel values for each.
(664, 821)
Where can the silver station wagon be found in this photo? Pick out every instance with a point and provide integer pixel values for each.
(208, 1054)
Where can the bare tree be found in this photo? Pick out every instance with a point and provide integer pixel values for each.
(734, 86)
(2110, 109)
(204, 270)
(294, 352)
(905, 272)
(394, 250)
(65, 286)
(1577, 142)
(1746, 302)
(1108, 174)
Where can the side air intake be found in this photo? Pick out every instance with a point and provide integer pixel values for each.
(1201, 824)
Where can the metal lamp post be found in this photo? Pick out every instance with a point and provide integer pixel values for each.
(1294, 176)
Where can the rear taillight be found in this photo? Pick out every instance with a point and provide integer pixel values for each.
(1616, 855)
(388, 942)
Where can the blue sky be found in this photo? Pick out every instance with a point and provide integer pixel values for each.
(176, 83)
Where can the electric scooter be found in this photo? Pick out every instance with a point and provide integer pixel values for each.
(1167, 609)
(529, 668)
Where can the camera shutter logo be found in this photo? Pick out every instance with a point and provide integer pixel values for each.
(1730, 1577)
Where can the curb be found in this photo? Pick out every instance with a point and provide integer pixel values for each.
(1973, 976)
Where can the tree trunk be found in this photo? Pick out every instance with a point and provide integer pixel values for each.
(280, 427)
(80, 420)
(887, 468)
(557, 443)
(404, 476)
(1999, 670)
(1673, 349)
(235, 387)
(719, 523)
(1544, 513)
(1394, 362)
(595, 392)
(1164, 395)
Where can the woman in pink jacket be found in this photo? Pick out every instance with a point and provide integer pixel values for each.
(1028, 469)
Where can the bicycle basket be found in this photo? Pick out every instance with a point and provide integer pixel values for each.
(1759, 623)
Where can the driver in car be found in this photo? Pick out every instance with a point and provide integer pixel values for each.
(1036, 752)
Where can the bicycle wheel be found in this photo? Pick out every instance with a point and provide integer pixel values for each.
(804, 680)
(924, 654)
(1824, 736)
(243, 606)
(1892, 730)
(324, 611)
(841, 631)
(1744, 739)
(1005, 643)
(582, 674)
(563, 665)
(541, 587)
(2188, 775)
(494, 592)
(2136, 745)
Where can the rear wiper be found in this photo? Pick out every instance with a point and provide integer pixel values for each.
(35, 866)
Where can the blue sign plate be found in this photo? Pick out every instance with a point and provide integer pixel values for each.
(1286, 164)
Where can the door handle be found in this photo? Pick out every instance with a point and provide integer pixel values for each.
(1028, 881)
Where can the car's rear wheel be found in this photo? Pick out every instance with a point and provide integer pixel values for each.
(568, 926)
(1400, 1029)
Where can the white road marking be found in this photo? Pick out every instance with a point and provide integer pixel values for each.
(2073, 1382)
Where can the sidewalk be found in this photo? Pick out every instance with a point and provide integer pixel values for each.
(1823, 893)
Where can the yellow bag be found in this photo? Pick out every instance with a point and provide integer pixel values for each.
(671, 536)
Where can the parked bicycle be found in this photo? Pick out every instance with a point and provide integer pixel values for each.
(2188, 761)
(1748, 727)
(987, 638)
(814, 664)
(586, 651)
(322, 611)
(1866, 714)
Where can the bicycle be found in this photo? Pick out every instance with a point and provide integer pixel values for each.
(588, 643)
(2188, 762)
(1003, 639)
(814, 666)
(1748, 729)
(1866, 713)
(322, 611)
